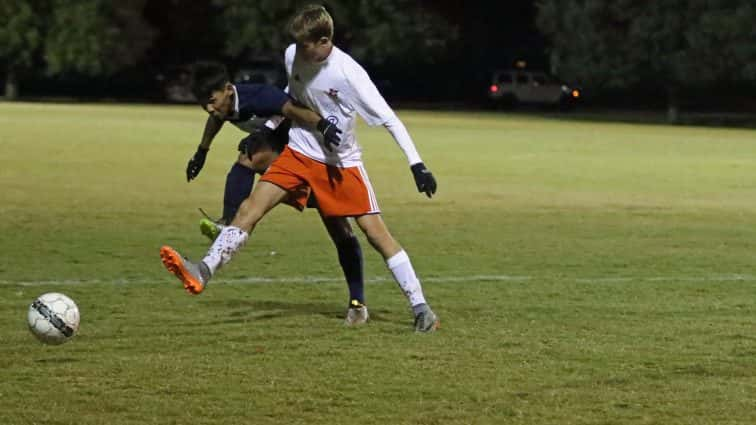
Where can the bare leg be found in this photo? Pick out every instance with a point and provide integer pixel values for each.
(378, 235)
(263, 198)
(195, 276)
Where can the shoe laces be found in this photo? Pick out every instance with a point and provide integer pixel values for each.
(218, 221)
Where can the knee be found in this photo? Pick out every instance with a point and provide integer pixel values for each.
(383, 242)
(245, 161)
(339, 230)
(342, 233)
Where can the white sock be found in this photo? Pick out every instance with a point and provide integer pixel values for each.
(230, 240)
(404, 274)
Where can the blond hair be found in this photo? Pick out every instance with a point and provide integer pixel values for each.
(311, 23)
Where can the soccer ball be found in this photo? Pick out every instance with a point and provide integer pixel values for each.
(53, 318)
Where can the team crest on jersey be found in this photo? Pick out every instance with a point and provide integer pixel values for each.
(333, 93)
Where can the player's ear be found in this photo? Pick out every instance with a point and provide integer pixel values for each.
(228, 88)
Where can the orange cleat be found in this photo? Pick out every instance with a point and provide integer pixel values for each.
(193, 276)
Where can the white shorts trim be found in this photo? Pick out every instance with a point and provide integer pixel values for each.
(371, 195)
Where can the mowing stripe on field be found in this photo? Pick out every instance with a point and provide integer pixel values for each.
(460, 279)
(295, 279)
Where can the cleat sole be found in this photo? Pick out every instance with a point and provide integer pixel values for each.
(175, 264)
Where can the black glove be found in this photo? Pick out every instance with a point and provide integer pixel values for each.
(423, 179)
(195, 164)
(330, 133)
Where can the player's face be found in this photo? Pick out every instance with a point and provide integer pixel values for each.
(314, 51)
(221, 103)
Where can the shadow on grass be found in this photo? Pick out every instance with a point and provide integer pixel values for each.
(244, 310)
(58, 360)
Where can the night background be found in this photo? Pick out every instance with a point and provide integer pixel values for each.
(418, 52)
(589, 248)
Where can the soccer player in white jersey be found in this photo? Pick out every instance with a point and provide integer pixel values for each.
(248, 106)
(331, 83)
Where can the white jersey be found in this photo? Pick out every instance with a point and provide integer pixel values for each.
(338, 89)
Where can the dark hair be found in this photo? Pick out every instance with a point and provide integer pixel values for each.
(208, 77)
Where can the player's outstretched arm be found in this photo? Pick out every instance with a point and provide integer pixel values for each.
(212, 127)
(372, 107)
(331, 133)
(424, 179)
(197, 161)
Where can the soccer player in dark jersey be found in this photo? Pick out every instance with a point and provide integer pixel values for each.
(249, 107)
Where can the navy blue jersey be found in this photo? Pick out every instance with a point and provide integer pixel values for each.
(258, 101)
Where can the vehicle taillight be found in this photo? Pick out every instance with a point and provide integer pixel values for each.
(494, 88)
(575, 94)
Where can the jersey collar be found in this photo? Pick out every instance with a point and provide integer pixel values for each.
(236, 103)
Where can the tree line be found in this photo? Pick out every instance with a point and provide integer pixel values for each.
(674, 44)
(102, 37)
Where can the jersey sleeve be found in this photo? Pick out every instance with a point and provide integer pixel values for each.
(372, 107)
(366, 99)
(401, 136)
(266, 100)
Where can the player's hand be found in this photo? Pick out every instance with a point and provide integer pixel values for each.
(196, 163)
(423, 179)
(330, 133)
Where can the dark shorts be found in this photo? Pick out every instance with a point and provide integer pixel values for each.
(276, 139)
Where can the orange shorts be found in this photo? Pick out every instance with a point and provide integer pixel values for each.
(341, 192)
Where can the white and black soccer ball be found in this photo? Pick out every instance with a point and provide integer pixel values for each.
(53, 318)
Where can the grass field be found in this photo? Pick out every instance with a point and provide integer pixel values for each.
(584, 272)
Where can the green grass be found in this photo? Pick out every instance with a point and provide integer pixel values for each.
(584, 272)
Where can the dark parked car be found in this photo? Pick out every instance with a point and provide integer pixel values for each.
(510, 87)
